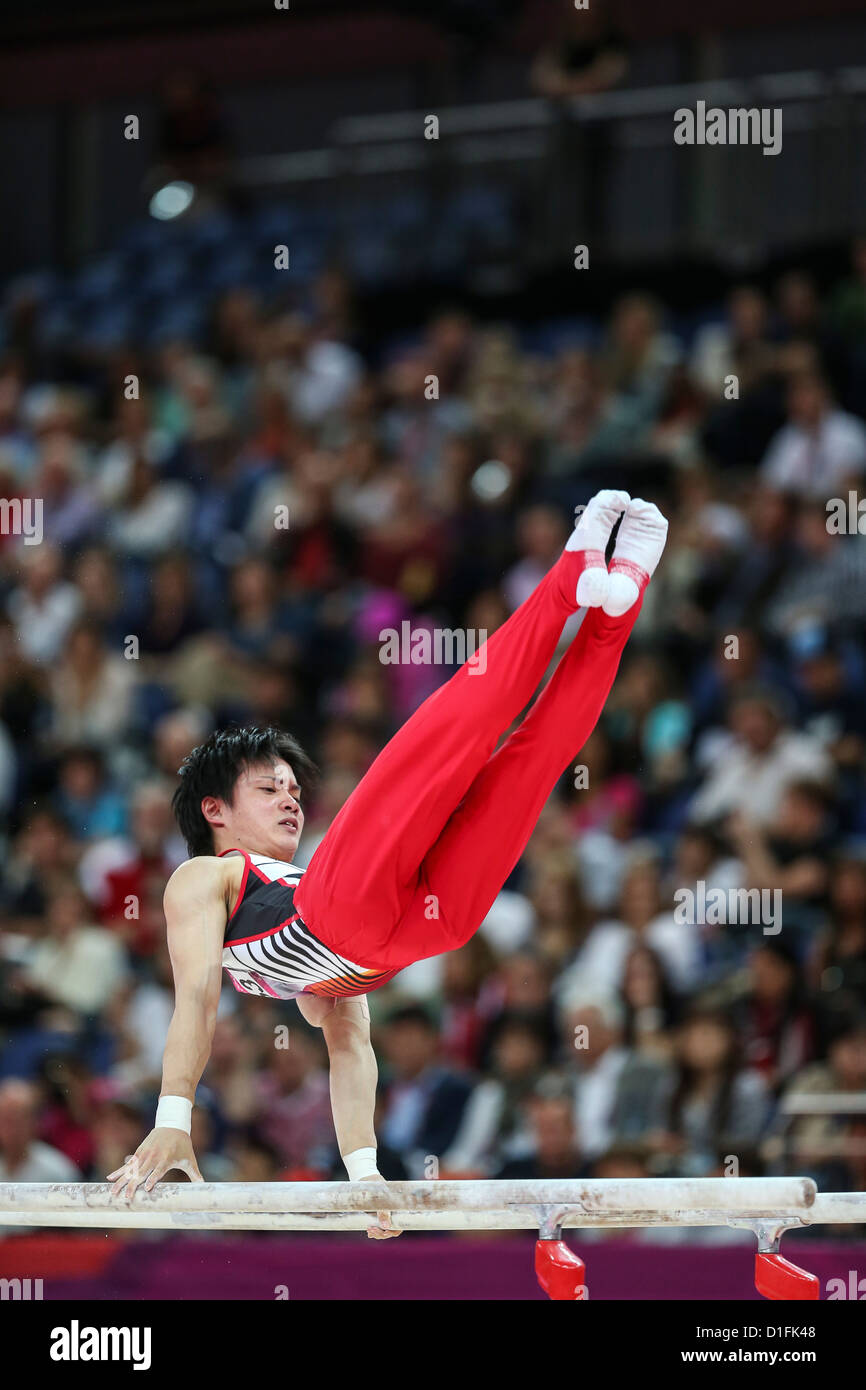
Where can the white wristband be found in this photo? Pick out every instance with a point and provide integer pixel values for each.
(174, 1112)
(361, 1164)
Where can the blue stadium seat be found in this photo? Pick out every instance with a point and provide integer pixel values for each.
(165, 272)
(101, 280)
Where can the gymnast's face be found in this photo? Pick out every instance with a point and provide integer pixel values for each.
(265, 815)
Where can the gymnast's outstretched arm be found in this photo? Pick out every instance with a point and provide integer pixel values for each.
(195, 912)
(353, 1077)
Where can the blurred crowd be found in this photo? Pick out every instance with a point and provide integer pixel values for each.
(228, 525)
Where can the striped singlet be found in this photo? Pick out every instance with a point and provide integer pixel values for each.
(269, 950)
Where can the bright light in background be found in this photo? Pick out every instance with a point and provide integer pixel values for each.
(491, 480)
(171, 200)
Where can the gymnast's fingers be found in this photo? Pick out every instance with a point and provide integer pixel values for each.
(184, 1165)
(384, 1228)
(137, 1169)
(122, 1176)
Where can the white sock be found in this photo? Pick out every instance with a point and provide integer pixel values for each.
(591, 535)
(639, 545)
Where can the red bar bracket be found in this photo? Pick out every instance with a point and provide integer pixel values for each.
(561, 1273)
(777, 1278)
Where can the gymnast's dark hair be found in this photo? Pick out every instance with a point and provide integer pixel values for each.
(213, 768)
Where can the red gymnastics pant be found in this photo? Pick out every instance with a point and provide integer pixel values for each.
(414, 860)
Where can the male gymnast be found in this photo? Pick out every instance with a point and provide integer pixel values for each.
(414, 860)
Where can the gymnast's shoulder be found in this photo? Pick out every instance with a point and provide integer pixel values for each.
(205, 880)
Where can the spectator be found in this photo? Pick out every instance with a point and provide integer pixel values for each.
(838, 966)
(43, 850)
(69, 1110)
(139, 1016)
(775, 1024)
(70, 508)
(128, 884)
(92, 690)
(424, 1100)
(318, 376)
(822, 450)
(171, 616)
(23, 1157)
(827, 1143)
(556, 1150)
(253, 1159)
(232, 1070)
(77, 964)
(762, 758)
(119, 1126)
(738, 347)
(87, 801)
(494, 1124)
(44, 606)
(293, 1111)
(640, 357)
(789, 856)
(95, 575)
(523, 986)
(798, 306)
(600, 962)
(714, 1106)
(560, 913)
(847, 310)
(618, 1091)
(588, 53)
(830, 688)
(467, 1001)
(651, 1008)
(826, 586)
(151, 515)
(175, 735)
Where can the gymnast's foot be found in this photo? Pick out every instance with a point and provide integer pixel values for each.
(639, 547)
(590, 536)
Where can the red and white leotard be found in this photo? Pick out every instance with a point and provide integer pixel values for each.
(269, 950)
